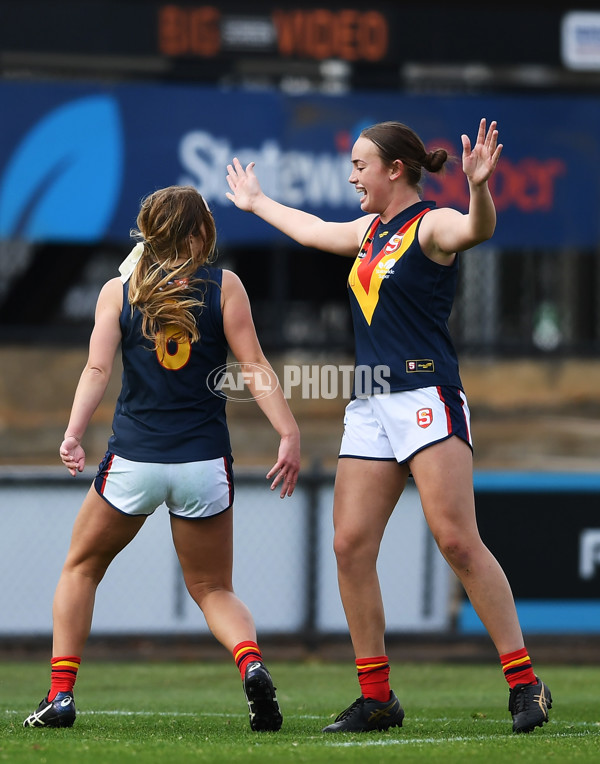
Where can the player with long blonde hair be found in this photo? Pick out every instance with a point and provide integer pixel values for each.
(176, 316)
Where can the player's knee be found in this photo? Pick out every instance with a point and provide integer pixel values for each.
(352, 550)
(456, 552)
(200, 590)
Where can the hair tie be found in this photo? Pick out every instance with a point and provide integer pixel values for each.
(127, 266)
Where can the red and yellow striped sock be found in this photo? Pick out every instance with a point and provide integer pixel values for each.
(63, 674)
(517, 668)
(245, 653)
(373, 677)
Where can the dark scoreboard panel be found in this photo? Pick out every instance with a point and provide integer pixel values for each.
(362, 34)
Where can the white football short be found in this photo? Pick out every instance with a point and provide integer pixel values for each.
(191, 490)
(398, 425)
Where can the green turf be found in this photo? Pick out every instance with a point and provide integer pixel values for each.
(167, 713)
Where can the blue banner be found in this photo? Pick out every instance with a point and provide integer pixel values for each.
(77, 158)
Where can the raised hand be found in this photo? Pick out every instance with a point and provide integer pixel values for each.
(244, 185)
(480, 161)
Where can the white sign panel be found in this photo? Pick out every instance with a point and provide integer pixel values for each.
(275, 544)
(580, 40)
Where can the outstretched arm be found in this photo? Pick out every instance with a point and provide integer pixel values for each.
(243, 342)
(446, 231)
(308, 230)
(94, 379)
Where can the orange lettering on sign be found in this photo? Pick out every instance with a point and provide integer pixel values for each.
(346, 34)
(189, 31)
(319, 36)
(320, 33)
(289, 28)
(205, 35)
(172, 33)
(346, 31)
(373, 36)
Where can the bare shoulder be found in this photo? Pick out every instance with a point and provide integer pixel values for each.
(231, 283)
(434, 221)
(439, 216)
(113, 285)
(232, 288)
(111, 294)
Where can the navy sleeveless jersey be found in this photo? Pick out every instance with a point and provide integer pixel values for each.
(400, 302)
(166, 411)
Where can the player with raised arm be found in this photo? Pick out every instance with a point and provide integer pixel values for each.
(401, 288)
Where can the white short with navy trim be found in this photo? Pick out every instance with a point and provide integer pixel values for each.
(191, 490)
(399, 425)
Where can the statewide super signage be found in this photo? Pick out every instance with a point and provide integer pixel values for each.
(76, 158)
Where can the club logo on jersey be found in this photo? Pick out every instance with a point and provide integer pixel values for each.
(422, 364)
(393, 243)
(368, 273)
(424, 417)
(385, 269)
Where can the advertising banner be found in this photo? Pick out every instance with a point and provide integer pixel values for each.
(543, 528)
(76, 158)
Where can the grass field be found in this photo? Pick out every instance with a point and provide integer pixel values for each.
(167, 713)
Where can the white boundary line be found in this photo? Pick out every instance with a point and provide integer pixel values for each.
(373, 740)
(416, 741)
(594, 726)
